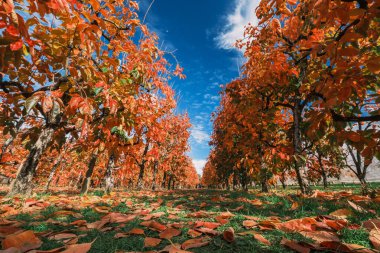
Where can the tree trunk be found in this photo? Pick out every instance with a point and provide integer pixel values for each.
(264, 180)
(173, 184)
(109, 180)
(87, 180)
(141, 176)
(363, 183)
(227, 185)
(163, 185)
(244, 179)
(22, 184)
(53, 170)
(297, 145)
(155, 168)
(283, 184)
(170, 181)
(234, 181)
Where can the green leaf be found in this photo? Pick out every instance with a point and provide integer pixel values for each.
(104, 69)
(115, 129)
(97, 90)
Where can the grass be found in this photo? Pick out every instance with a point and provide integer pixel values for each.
(190, 202)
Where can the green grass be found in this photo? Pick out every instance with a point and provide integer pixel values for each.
(278, 205)
(356, 236)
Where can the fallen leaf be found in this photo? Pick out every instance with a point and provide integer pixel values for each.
(173, 248)
(11, 250)
(371, 224)
(62, 236)
(374, 237)
(207, 231)
(237, 208)
(24, 241)
(170, 233)
(345, 247)
(249, 223)
(294, 206)
(195, 243)
(221, 220)
(342, 213)
(154, 225)
(229, 235)
(304, 224)
(294, 246)
(226, 215)
(151, 242)
(78, 248)
(357, 207)
(78, 223)
(193, 233)
(261, 239)
(321, 236)
(206, 224)
(135, 231)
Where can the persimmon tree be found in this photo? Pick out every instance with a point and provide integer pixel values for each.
(317, 65)
(88, 71)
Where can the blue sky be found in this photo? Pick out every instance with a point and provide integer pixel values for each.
(201, 34)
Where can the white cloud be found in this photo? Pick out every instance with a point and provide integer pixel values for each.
(199, 135)
(243, 14)
(199, 165)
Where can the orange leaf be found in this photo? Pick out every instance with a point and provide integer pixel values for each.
(170, 233)
(136, 231)
(305, 224)
(193, 233)
(78, 248)
(23, 241)
(320, 236)
(195, 243)
(151, 242)
(261, 239)
(249, 223)
(229, 235)
(374, 237)
(294, 246)
(342, 213)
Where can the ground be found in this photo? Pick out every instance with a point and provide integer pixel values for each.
(122, 221)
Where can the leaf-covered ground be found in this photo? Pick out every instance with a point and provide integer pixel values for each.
(191, 221)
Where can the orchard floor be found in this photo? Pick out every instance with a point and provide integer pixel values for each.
(331, 221)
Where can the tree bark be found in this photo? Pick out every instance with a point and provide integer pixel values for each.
(155, 168)
(234, 181)
(109, 180)
(142, 167)
(23, 184)
(53, 170)
(141, 176)
(9, 141)
(264, 180)
(90, 170)
(163, 185)
(170, 182)
(297, 145)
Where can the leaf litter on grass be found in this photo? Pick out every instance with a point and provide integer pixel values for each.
(208, 220)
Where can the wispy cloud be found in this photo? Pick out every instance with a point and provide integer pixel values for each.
(199, 165)
(199, 135)
(242, 15)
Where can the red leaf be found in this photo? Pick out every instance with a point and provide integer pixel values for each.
(13, 31)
